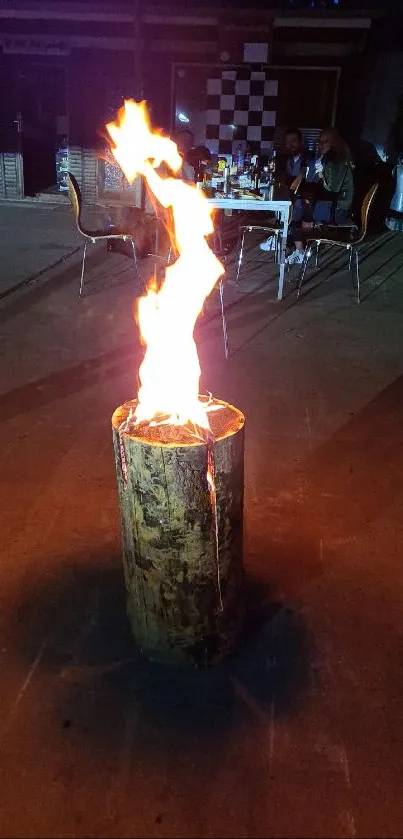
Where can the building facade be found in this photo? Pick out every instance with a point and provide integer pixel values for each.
(66, 67)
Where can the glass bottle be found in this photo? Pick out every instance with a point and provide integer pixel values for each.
(226, 180)
(256, 177)
(239, 159)
(272, 165)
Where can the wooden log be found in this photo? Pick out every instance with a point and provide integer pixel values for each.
(184, 576)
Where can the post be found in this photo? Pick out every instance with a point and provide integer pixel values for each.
(137, 29)
(182, 543)
(138, 74)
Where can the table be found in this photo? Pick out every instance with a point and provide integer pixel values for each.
(282, 210)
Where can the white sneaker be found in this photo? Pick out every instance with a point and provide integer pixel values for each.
(295, 258)
(269, 244)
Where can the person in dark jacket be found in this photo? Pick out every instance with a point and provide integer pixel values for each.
(335, 173)
(298, 162)
(298, 157)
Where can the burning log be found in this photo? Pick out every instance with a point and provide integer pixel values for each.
(181, 505)
(179, 457)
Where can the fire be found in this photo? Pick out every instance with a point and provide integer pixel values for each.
(170, 371)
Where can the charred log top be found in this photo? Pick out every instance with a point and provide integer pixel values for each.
(224, 420)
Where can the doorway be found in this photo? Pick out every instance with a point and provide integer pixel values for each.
(42, 105)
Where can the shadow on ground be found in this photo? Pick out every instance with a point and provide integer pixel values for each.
(98, 678)
(81, 611)
(65, 383)
(355, 477)
(115, 272)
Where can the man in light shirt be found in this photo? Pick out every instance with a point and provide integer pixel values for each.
(298, 162)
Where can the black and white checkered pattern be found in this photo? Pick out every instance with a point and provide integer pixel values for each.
(241, 108)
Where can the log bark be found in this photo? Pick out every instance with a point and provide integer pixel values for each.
(184, 598)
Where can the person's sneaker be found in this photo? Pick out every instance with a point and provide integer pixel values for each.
(295, 258)
(269, 244)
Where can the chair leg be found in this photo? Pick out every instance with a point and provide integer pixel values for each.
(157, 236)
(307, 254)
(82, 270)
(317, 254)
(353, 266)
(224, 321)
(350, 258)
(136, 265)
(240, 255)
(277, 252)
(357, 272)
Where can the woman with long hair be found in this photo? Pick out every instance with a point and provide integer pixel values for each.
(333, 173)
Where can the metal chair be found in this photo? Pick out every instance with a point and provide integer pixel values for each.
(94, 235)
(163, 223)
(274, 231)
(347, 237)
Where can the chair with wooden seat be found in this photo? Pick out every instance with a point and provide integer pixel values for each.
(269, 230)
(343, 236)
(95, 236)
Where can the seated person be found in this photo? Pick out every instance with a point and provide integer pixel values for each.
(298, 158)
(298, 162)
(333, 174)
(199, 157)
(184, 140)
(195, 158)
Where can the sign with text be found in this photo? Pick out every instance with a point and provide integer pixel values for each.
(34, 45)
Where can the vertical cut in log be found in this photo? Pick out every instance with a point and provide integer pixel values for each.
(184, 575)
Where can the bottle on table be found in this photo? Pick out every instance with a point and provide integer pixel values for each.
(272, 174)
(239, 159)
(264, 177)
(272, 165)
(248, 160)
(226, 180)
(256, 176)
(199, 175)
(207, 179)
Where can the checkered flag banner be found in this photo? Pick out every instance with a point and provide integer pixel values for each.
(241, 109)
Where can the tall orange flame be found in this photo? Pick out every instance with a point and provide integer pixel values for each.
(170, 371)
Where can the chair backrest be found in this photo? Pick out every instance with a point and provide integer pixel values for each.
(294, 187)
(365, 209)
(75, 198)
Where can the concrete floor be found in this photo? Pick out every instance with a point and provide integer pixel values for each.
(33, 237)
(301, 734)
